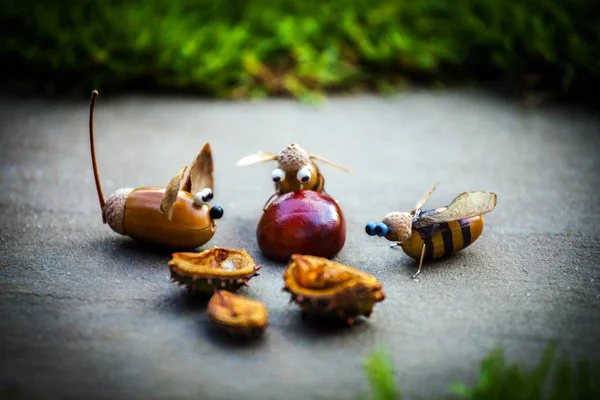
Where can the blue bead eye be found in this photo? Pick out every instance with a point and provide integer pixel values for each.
(370, 229)
(381, 229)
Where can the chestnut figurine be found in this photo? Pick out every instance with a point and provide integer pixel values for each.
(177, 216)
(296, 170)
(300, 217)
(304, 222)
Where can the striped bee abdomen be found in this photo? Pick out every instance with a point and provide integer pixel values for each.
(443, 239)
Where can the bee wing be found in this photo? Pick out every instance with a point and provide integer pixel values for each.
(465, 205)
(201, 172)
(170, 197)
(257, 158)
(426, 196)
(326, 161)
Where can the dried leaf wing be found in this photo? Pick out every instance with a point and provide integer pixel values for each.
(171, 192)
(466, 205)
(257, 158)
(426, 196)
(201, 172)
(331, 163)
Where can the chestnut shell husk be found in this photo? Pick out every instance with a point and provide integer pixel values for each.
(328, 289)
(237, 315)
(216, 268)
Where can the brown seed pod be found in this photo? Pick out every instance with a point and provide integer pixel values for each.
(237, 315)
(215, 268)
(330, 289)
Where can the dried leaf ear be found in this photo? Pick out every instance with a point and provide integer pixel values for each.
(170, 197)
(201, 172)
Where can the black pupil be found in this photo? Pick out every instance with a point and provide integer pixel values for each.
(368, 229)
(378, 229)
(304, 178)
(276, 178)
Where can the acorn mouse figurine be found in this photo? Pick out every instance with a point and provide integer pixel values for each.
(302, 218)
(177, 216)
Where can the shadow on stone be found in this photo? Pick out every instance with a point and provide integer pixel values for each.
(443, 265)
(224, 339)
(409, 266)
(132, 247)
(313, 326)
(184, 302)
(12, 391)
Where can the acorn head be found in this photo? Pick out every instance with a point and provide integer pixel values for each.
(292, 158)
(113, 212)
(399, 226)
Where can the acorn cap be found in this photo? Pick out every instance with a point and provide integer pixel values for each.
(114, 210)
(400, 226)
(293, 157)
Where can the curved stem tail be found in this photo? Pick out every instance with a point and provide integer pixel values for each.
(94, 166)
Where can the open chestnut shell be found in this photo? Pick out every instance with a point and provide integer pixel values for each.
(213, 268)
(329, 289)
(237, 315)
(303, 222)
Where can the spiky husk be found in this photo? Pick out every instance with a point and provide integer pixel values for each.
(203, 272)
(237, 315)
(337, 291)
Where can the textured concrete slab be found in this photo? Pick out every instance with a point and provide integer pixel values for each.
(86, 313)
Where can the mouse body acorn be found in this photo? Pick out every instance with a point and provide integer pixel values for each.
(177, 216)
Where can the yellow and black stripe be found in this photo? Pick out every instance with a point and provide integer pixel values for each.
(443, 239)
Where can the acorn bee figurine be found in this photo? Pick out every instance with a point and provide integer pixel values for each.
(295, 170)
(303, 218)
(431, 234)
(172, 216)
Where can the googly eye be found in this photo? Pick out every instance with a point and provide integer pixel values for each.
(381, 229)
(278, 175)
(202, 197)
(370, 228)
(304, 174)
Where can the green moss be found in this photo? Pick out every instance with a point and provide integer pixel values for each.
(236, 48)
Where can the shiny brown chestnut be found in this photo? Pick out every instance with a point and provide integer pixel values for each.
(303, 222)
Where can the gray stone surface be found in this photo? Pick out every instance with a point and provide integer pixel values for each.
(86, 313)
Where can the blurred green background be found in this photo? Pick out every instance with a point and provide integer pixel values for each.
(255, 48)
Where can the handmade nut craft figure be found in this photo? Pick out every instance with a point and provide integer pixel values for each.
(173, 216)
(302, 218)
(431, 234)
(295, 170)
